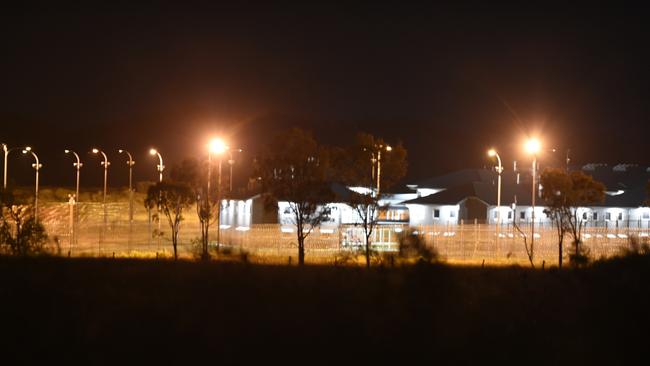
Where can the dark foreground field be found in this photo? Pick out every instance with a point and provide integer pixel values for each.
(128, 311)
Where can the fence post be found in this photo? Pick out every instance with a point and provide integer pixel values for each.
(462, 232)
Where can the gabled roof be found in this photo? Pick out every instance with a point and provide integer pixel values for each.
(482, 184)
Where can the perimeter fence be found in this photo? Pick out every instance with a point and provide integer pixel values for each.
(89, 234)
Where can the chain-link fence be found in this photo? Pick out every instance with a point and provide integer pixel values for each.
(98, 231)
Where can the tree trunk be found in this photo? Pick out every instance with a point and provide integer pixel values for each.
(559, 259)
(174, 243)
(367, 252)
(301, 250)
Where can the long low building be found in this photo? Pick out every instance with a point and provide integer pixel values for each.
(465, 196)
(471, 196)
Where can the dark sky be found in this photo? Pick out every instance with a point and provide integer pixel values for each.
(447, 81)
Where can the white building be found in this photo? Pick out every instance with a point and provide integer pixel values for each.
(471, 196)
(467, 196)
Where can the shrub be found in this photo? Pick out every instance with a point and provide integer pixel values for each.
(579, 257)
(412, 245)
(636, 247)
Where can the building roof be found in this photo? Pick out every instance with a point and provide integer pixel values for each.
(619, 177)
(628, 181)
(484, 191)
(460, 177)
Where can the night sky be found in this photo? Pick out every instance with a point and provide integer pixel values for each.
(448, 82)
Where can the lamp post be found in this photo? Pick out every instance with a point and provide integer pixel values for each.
(379, 148)
(160, 167)
(231, 162)
(37, 166)
(217, 146)
(532, 147)
(492, 153)
(130, 164)
(78, 166)
(104, 163)
(6, 151)
(73, 219)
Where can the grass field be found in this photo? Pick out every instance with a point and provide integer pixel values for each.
(101, 311)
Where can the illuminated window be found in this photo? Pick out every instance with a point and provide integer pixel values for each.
(436, 213)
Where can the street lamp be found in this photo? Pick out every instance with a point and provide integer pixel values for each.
(73, 218)
(105, 163)
(379, 148)
(77, 165)
(130, 164)
(160, 167)
(37, 166)
(216, 146)
(533, 146)
(231, 162)
(493, 153)
(6, 151)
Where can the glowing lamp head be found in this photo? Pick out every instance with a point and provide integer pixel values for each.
(532, 146)
(120, 151)
(492, 153)
(67, 151)
(389, 148)
(95, 151)
(153, 152)
(217, 146)
(28, 149)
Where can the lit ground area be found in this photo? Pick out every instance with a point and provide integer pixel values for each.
(125, 311)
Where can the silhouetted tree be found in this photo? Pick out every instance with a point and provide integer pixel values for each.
(19, 231)
(413, 245)
(564, 193)
(555, 181)
(194, 173)
(171, 198)
(357, 166)
(295, 168)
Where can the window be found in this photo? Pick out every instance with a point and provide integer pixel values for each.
(436, 213)
(452, 213)
(595, 216)
(584, 216)
(646, 215)
(509, 215)
(620, 216)
(495, 214)
(608, 216)
(522, 215)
